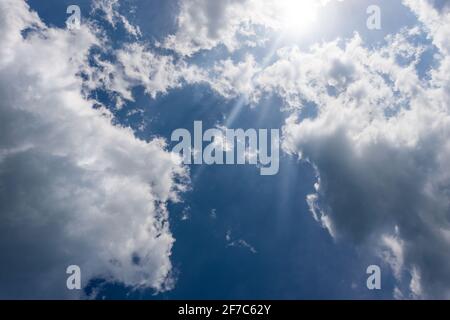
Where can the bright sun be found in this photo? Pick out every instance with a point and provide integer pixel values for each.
(297, 16)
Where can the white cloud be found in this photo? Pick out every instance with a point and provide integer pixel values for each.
(437, 21)
(74, 189)
(157, 73)
(110, 9)
(238, 243)
(232, 80)
(137, 65)
(380, 146)
(204, 24)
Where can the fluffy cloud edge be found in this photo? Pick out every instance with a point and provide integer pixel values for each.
(85, 191)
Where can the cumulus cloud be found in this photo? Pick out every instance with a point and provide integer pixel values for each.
(74, 188)
(135, 64)
(204, 24)
(232, 80)
(379, 143)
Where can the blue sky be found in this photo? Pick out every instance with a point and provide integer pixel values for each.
(363, 178)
